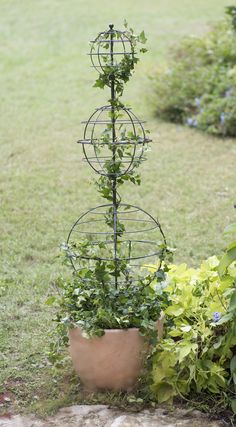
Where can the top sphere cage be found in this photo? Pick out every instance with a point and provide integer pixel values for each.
(110, 48)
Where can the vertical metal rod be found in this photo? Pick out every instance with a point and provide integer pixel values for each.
(113, 120)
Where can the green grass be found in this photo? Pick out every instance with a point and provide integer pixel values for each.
(46, 79)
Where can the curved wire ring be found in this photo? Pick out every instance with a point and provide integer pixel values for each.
(109, 206)
(144, 135)
(100, 66)
(134, 150)
(94, 146)
(85, 130)
(107, 233)
(132, 117)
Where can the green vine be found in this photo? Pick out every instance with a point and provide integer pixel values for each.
(122, 72)
(115, 167)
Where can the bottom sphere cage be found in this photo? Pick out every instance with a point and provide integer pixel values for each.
(137, 242)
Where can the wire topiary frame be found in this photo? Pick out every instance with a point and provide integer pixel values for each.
(115, 233)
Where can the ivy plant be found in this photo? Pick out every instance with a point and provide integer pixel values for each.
(122, 73)
(120, 154)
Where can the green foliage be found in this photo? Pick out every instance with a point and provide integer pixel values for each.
(89, 301)
(99, 307)
(227, 261)
(197, 353)
(120, 143)
(230, 254)
(119, 154)
(231, 11)
(120, 73)
(198, 88)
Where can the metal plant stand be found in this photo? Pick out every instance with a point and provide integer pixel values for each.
(118, 232)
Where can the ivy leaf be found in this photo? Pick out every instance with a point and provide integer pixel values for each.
(233, 364)
(165, 392)
(232, 304)
(233, 405)
(185, 350)
(230, 229)
(186, 328)
(160, 275)
(227, 259)
(142, 37)
(99, 83)
(174, 310)
(125, 23)
(234, 379)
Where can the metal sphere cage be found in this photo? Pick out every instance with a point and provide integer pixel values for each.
(114, 143)
(111, 48)
(98, 141)
(141, 240)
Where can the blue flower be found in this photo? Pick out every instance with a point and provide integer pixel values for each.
(222, 118)
(197, 101)
(189, 121)
(216, 316)
(229, 92)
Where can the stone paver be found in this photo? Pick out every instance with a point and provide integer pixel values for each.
(102, 416)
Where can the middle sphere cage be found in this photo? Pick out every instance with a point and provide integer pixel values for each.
(113, 132)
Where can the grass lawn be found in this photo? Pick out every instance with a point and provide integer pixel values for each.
(46, 78)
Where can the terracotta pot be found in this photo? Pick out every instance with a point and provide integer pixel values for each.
(111, 362)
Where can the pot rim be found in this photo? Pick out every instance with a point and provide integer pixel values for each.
(109, 330)
(161, 318)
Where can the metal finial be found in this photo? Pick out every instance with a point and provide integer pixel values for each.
(111, 26)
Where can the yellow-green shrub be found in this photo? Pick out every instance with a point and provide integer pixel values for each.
(198, 350)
